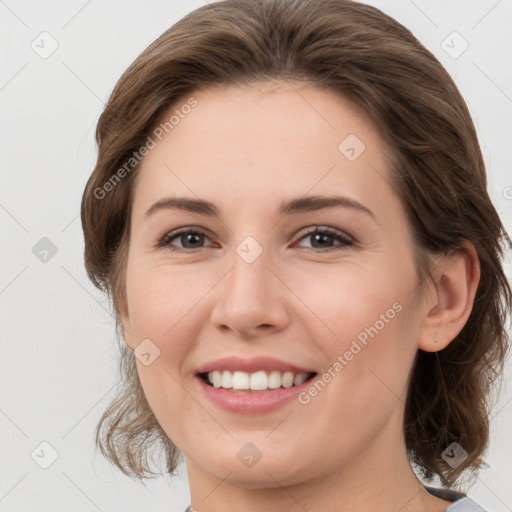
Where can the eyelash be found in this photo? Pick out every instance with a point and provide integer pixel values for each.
(165, 241)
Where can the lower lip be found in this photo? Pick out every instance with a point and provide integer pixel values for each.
(251, 402)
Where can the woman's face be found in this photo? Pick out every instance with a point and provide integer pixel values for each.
(256, 281)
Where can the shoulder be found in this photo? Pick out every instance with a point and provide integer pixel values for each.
(465, 505)
(462, 502)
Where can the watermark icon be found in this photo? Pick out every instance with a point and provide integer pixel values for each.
(44, 250)
(44, 455)
(146, 352)
(507, 193)
(351, 147)
(45, 45)
(249, 454)
(249, 249)
(305, 396)
(455, 455)
(137, 156)
(454, 45)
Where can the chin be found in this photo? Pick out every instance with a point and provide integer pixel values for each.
(266, 472)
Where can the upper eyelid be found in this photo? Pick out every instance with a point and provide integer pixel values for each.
(319, 227)
(306, 231)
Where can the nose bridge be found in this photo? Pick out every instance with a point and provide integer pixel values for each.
(249, 278)
(250, 295)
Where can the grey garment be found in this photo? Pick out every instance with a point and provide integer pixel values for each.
(465, 505)
(462, 502)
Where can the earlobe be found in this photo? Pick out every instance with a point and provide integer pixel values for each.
(456, 280)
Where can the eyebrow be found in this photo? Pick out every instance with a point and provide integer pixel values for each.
(290, 207)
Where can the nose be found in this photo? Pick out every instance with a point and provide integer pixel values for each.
(251, 299)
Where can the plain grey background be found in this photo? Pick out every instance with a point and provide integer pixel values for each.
(60, 60)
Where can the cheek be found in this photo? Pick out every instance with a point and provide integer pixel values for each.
(360, 320)
(160, 311)
(159, 303)
(165, 305)
(161, 296)
(348, 300)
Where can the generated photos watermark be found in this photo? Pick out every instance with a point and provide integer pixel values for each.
(357, 345)
(156, 135)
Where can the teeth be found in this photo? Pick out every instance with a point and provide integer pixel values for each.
(300, 378)
(240, 380)
(274, 380)
(226, 380)
(257, 381)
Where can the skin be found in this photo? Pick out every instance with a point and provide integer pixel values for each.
(246, 149)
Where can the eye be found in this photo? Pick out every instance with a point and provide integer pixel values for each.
(322, 236)
(192, 239)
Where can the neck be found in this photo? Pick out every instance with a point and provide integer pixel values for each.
(379, 478)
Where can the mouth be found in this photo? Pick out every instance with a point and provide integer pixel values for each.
(260, 381)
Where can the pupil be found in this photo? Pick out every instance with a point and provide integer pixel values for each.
(191, 235)
(192, 238)
(322, 237)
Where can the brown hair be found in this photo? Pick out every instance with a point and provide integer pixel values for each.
(438, 171)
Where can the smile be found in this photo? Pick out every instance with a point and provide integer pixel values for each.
(257, 381)
(246, 401)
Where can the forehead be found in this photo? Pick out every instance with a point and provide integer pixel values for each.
(283, 111)
(263, 137)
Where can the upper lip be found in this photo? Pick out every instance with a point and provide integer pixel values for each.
(255, 364)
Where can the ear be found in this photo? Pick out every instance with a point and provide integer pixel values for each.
(456, 279)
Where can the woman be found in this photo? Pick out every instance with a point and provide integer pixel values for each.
(289, 213)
